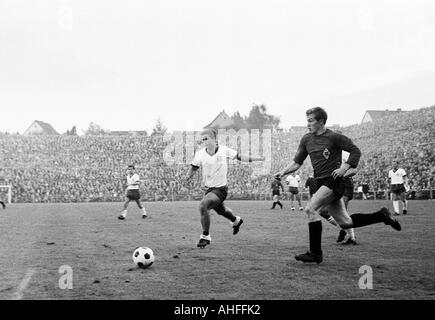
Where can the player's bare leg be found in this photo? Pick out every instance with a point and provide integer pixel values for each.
(123, 214)
(396, 204)
(209, 202)
(298, 198)
(350, 231)
(320, 199)
(404, 202)
(276, 201)
(142, 208)
(226, 212)
(338, 211)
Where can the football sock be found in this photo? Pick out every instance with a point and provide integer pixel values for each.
(205, 233)
(405, 205)
(396, 206)
(236, 221)
(332, 221)
(351, 233)
(365, 219)
(274, 205)
(280, 204)
(225, 212)
(315, 232)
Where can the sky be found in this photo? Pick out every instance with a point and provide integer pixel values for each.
(125, 64)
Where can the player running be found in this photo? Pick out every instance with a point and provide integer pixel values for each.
(213, 161)
(399, 184)
(276, 185)
(325, 150)
(293, 182)
(132, 192)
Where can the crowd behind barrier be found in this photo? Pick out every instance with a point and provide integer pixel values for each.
(66, 168)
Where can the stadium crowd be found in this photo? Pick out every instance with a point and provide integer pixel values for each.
(65, 168)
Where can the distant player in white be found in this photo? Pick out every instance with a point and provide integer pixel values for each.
(132, 192)
(399, 185)
(213, 161)
(293, 181)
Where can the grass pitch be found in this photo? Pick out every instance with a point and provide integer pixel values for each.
(258, 263)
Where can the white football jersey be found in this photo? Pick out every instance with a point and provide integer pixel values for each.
(215, 167)
(293, 181)
(131, 182)
(397, 177)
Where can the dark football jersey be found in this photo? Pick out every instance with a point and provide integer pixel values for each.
(276, 185)
(325, 152)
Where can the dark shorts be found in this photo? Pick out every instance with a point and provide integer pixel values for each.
(398, 188)
(133, 195)
(336, 185)
(293, 190)
(275, 193)
(348, 188)
(221, 192)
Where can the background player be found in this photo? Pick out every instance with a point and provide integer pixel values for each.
(276, 185)
(132, 192)
(325, 150)
(3, 204)
(213, 161)
(399, 183)
(293, 181)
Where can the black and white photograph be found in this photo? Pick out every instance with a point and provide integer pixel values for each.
(217, 155)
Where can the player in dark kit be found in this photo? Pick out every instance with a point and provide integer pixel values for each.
(325, 150)
(3, 204)
(276, 184)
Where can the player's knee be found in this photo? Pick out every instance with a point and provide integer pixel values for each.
(324, 214)
(344, 222)
(203, 207)
(309, 211)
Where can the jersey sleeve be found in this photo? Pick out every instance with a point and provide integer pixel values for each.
(403, 173)
(136, 179)
(231, 153)
(196, 162)
(346, 144)
(301, 153)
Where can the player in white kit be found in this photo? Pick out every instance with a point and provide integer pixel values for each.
(399, 184)
(213, 161)
(132, 192)
(293, 181)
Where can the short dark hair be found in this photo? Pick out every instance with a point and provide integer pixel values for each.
(211, 132)
(131, 166)
(319, 114)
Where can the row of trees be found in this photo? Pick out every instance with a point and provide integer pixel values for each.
(258, 118)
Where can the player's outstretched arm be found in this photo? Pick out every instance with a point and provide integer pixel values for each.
(245, 158)
(287, 170)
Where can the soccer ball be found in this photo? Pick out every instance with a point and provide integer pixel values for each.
(143, 257)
